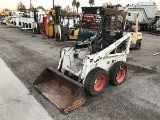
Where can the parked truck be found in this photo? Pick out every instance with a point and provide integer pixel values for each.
(147, 12)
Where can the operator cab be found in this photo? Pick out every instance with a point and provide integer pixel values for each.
(100, 27)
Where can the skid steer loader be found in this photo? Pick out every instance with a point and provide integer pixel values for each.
(90, 64)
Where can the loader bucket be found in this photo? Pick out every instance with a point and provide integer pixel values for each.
(66, 93)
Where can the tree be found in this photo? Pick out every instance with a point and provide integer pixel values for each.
(91, 2)
(77, 6)
(40, 7)
(68, 8)
(6, 10)
(33, 8)
(110, 5)
(63, 11)
(21, 7)
(74, 4)
(119, 5)
(105, 4)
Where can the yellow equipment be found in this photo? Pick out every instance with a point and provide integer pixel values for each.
(73, 33)
(50, 29)
(69, 33)
(3, 14)
(136, 36)
(50, 26)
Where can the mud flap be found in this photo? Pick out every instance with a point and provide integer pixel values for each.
(66, 93)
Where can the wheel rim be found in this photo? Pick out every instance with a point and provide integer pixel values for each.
(121, 75)
(99, 83)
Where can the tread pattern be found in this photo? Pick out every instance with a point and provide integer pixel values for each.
(90, 79)
(138, 45)
(65, 37)
(114, 70)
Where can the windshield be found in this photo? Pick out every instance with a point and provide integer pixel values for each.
(107, 22)
(90, 24)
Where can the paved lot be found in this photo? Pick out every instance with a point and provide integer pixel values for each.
(15, 101)
(137, 98)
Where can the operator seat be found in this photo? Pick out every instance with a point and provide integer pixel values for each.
(106, 39)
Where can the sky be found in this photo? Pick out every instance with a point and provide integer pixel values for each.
(47, 4)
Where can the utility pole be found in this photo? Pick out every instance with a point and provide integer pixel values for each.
(53, 4)
(30, 4)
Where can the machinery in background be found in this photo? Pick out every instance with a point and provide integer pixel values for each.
(133, 26)
(147, 11)
(27, 19)
(50, 26)
(3, 14)
(154, 25)
(36, 24)
(43, 24)
(49, 22)
(70, 33)
(57, 25)
(90, 64)
(6, 20)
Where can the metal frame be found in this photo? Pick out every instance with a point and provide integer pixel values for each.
(80, 61)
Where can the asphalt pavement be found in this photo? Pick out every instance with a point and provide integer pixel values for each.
(136, 99)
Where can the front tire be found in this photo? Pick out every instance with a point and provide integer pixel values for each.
(138, 45)
(65, 38)
(57, 37)
(117, 73)
(96, 81)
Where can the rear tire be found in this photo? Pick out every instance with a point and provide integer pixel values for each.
(117, 73)
(138, 45)
(23, 25)
(65, 38)
(26, 25)
(29, 25)
(57, 37)
(96, 81)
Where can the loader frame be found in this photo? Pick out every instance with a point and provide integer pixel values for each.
(79, 60)
(66, 86)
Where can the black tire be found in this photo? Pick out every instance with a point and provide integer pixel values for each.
(35, 30)
(23, 25)
(146, 28)
(26, 25)
(57, 37)
(92, 76)
(138, 45)
(113, 73)
(65, 37)
(29, 25)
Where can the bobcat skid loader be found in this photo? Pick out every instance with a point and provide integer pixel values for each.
(91, 64)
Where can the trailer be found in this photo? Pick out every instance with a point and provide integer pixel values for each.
(154, 25)
(147, 12)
